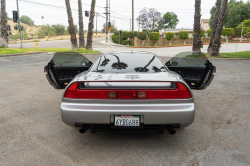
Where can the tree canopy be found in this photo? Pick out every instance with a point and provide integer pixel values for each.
(171, 20)
(149, 19)
(237, 12)
(27, 20)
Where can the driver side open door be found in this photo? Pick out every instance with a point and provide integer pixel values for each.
(194, 68)
(63, 67)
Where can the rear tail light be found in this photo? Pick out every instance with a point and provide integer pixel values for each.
(181, 92)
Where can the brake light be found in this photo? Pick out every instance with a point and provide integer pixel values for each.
(181, 92)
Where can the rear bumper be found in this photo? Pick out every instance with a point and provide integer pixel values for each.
(153, 114)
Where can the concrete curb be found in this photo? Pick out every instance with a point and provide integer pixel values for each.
(28, 53)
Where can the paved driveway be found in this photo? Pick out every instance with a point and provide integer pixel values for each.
(32, 132)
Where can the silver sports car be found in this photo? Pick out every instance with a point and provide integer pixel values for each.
(129, 90)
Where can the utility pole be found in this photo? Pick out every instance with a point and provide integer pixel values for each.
(132, 15)
(20, 35)
(106, 20)
(97, 14)
(109, 19)
(130, 25)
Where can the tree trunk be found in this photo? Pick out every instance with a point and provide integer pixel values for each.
(91, 26)
(197, 26)
(4, 33)
(215, 23)
(81, 31)
(71, 27)
(217, 44)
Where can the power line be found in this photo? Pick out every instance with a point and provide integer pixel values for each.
(119, 14)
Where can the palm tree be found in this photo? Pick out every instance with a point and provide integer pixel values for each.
(4, 33)
(81, 31)
(71, 27)
(91, 26)
(215, 23)
(119, 65)
(144, 69)
(197, 26)
(42, 19)
(217, 44)
(105, 62)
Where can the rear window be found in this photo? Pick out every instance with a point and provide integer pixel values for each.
(128, 63)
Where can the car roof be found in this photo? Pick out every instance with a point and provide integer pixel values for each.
(130, 52)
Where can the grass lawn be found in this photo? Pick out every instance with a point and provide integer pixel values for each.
(245, 54)
(26, 50)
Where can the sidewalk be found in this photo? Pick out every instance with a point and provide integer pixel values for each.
(110, 43)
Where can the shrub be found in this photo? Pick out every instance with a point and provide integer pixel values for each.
(124, 35)
(154, 36)
(142, 35)
(183, 35)
(202, 33)
(156, 30)
(145, 30)
(116, 33)
(126, 42)
(135, 33)
(227, 32)
(130, 34)
(209, 33)
(239, 29)
(249, 30)
(115, 38)
(169, 35)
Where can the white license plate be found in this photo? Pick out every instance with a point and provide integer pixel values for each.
(121, 120)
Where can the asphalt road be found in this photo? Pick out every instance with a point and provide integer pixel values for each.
(32, 132)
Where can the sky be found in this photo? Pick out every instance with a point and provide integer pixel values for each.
(121, 11)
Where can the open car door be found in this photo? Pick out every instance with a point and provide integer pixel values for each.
(63, 67)
(194, 68)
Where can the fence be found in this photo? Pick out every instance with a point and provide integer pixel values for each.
(164, 42)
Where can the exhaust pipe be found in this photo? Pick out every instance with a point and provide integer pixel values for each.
(84, 129)
(170, 130)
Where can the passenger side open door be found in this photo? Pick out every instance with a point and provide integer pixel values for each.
(63, 67)
(194, 68)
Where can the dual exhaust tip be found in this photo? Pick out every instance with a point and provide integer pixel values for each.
(168, 128)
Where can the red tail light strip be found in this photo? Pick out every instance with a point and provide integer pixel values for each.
(181, 92)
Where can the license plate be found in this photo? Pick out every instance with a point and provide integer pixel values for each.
(121, 120)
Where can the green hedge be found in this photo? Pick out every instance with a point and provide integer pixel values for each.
(209, 33)
(202, 33)
(154, 36)
(130, 34)
(183, 34)
(124, 35)
(115, 38)
(239, 29)
(156, 30)
(142, 35)
(116, 33)
(227, 32)
(126, 42)
(169, 35)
